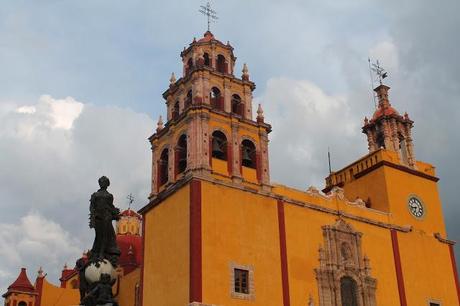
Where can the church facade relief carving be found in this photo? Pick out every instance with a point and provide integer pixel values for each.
(343, 275)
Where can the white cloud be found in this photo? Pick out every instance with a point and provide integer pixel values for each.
(51, 159)
(34, 241)
(306, 121)
(387, 54)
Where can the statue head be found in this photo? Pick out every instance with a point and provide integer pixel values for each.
(104, 182)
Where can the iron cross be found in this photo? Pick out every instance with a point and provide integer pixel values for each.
(209, 12)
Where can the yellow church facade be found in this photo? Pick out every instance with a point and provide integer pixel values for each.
(217, 231)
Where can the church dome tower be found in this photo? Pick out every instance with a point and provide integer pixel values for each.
(389, 130)
(21, 292)
(209, 129)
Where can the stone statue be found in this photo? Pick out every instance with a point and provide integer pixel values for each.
(97, 273)
(102, 212)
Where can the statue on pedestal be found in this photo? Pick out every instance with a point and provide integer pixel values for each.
(97, 275)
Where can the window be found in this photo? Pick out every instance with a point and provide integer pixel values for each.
(216, 98)
(181, 154)
(248, 154)
(163, 168)
(241, 281)
(189, 66)
(348, 291)
(221, 65)
(207, 62)
(219, 145)
(435, 304)
(22, 303)
(237, 105)
(175, 112)
(188, 99)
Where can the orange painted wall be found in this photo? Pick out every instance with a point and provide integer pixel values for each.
(126, 296)
(56, 296)
(166, 253)
(239, 227)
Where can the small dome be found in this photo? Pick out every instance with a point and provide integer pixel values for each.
(388, 111)
(130, 213)
(208, 36)
(22, 283)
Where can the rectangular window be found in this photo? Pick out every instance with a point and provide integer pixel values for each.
(434, 304)
(241, 281)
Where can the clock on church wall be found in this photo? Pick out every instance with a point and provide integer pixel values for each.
(416, 207)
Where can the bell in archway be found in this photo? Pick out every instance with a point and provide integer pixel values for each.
(217, 151)
(247, 160)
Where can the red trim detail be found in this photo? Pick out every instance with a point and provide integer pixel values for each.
(39, 290)
(454, 268)
(258, 167)
(229, 159)
(399, 274)
(283, 254)
(195, 242)
(144, 219)
(210, 151)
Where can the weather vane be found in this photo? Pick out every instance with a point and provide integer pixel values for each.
(209, 12)
(381, 74)
(379, 71)
(130, 198)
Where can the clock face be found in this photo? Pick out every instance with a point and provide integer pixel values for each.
(416, 207)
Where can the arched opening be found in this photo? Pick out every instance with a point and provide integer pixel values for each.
(22, 303)
(163, 168)
(248, 154)
(219, 145)
(221, 66)
(207, 62)
(188, 99)
(189, 65)
(348, 291)
(181, 154)
(237, 105)
(380, 140)
(175, 111)
(403, 148)
(216, 99)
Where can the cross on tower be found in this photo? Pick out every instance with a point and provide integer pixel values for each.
(130, 198)
(210, 13)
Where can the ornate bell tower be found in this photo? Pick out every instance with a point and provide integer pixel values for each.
(210, 129)
(389, 130)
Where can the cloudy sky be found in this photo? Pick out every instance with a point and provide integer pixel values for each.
(81, 84)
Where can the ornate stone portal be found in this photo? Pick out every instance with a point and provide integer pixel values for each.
(344, 273)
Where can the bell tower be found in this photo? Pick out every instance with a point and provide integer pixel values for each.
(209, 129)
(389, 130)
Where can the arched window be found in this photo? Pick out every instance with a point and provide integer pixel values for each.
(380, 140)
(181, 154)
(22, 303)
(188, 99)
(163, 167)
(175, 111)
(74, 284)
(248, 154)
(207, 62)
(219, 145)
(237, 105)
(189, 65)
(216, 98)
(221, 66)
(348, 291)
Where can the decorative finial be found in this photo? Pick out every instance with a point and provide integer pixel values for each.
(65, 266)
(194, 39)
(406, 116)
(210, 13)
(160, 124)
(366, 121)
(245, 71)
(40, 272)
(172, 79)
(260, 114)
